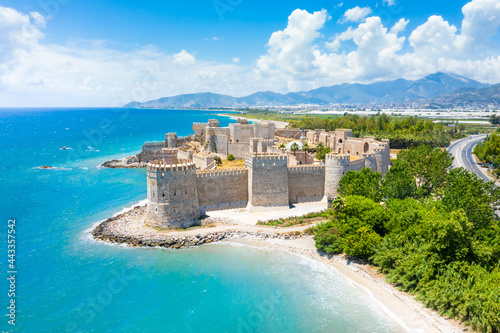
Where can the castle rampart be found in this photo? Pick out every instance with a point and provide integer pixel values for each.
(306, 183)
(222, 189)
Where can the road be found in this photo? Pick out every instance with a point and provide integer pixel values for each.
(462, 152)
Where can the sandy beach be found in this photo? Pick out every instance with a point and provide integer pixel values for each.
(240, 226)
(278, 124)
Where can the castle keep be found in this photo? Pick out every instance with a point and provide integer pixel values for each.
(179, 192)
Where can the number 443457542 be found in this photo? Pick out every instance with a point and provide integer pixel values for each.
(11, 240)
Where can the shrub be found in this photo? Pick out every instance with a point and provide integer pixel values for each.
(230, 157)
(362, 243)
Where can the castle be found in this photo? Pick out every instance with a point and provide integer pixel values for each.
(179, 191)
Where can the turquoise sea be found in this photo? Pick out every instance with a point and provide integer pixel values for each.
(66, 282)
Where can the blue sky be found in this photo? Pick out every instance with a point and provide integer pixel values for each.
(100, 53)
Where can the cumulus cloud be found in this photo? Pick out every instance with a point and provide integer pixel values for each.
(291, 51)
(356, 14)
(371, 51)
(299, 57)
(184, 58)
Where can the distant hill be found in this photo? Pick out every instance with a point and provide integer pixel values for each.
(468, 97)
(397, 91)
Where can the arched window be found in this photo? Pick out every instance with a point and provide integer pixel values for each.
(340, 140)
(366, 147)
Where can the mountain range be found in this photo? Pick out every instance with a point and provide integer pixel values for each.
(435, 89)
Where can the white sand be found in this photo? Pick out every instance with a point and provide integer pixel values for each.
(278, 124)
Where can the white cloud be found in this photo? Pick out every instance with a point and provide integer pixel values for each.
(481, 22)
(184, 58)
(291, 51)
(356, 14)
(90, 73)
(389, 2)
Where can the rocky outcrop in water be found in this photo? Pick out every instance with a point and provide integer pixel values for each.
(129, 162)
(125, 230)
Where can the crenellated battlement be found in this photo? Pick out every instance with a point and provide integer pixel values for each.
(161, 166)
(343, 157)
(267, 141)
(170, 151)
(268, 157)
(154, 143)
(221, 173)
(306, 167)
(368, 155)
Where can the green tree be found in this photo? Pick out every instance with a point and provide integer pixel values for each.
(294, 146)
(477, 198)
(230, 157)
(365, 183)
(428, 166)
(399, 182)
(305, 147)
(217, 160)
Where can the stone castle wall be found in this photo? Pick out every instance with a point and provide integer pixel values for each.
(357, 165)
(151, 151)
(239, 150)
(267, 180)
(306, 183)
(222, 189)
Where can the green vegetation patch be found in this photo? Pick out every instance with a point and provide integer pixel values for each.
(298, 220)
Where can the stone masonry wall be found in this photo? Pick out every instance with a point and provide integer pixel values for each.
(306, 183)
(222, 189)
(151, 151)
(267, 180)
(239, 150)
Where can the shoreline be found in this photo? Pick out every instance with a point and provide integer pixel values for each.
(279, 124)
(127, 228)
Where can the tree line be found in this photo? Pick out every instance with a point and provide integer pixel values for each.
(402, 132)
(430, 228)
(488, 151)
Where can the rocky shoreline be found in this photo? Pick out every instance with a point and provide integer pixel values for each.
(129, 162)
(130, 228)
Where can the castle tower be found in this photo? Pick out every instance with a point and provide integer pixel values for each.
(172, 192)
(211, 140)
(370, 161)
(171, 140)
(267, 181)
(335, 167)
(379, 153)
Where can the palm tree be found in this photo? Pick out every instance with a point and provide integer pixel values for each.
(294, 146)
(282, 146)
(305, 147)
(338, 204)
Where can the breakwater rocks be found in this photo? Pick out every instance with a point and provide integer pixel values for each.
(126, 228)
(125, 163)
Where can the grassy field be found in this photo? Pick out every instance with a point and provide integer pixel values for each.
(231, 164)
